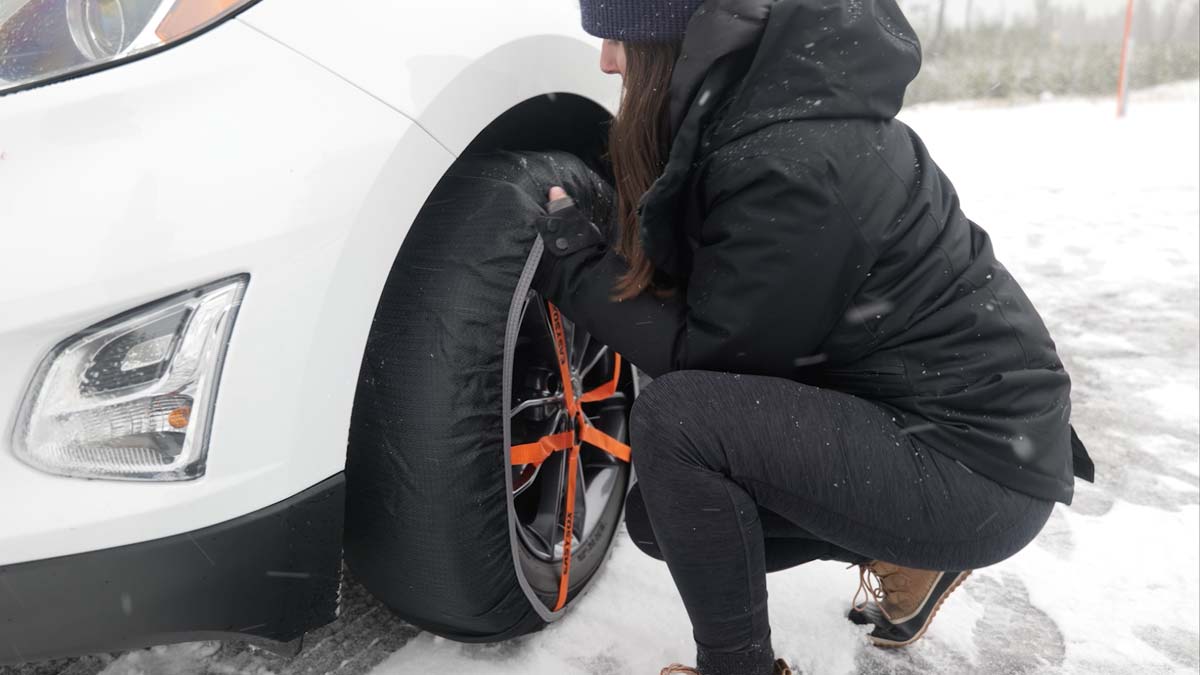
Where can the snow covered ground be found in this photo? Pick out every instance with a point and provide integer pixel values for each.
(1099, 220)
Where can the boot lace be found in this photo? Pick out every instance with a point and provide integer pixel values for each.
(871, 585)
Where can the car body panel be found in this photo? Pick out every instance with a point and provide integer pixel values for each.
(451, 68)
(225, 155)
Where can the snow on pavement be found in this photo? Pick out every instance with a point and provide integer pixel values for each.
(1099, 220)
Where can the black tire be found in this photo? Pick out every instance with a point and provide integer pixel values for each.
(432, 526)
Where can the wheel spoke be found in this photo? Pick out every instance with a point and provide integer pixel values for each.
(532, 479)
(596, 496)
(547, 524)
(559, 417)
(581, 502)
(535, 346)
(535, 402)
(601, 418)
(577, 360)
(595, 359)
(610, 418)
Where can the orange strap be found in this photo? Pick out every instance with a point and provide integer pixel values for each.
(564, 370)
(605, 390)
(592, 435)
(539, 450)
(572, 440)
(564, 579)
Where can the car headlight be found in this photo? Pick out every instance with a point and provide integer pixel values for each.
(43, 40)
(132, 397)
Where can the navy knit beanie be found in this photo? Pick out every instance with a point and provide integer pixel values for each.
(637, 20)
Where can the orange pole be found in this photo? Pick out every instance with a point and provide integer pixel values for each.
(1123, 76)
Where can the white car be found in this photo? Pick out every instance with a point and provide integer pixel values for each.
(225, 268)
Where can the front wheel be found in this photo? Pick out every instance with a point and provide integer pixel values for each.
(480, 410)
(553, 362)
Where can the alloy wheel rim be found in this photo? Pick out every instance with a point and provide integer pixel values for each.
(539, 409)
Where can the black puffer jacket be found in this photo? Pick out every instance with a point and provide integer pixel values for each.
(813, 238)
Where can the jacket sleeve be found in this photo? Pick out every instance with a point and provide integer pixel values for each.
(776, 266)
(578, 273)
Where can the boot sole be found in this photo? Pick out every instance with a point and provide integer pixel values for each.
(891, 644)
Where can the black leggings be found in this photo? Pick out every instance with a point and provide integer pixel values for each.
(739, 475)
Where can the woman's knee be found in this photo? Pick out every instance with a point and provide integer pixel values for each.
(637, 522)
(658, 401)
(663, 422)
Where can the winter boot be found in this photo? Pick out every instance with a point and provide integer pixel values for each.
(781, 668)
(905, 600)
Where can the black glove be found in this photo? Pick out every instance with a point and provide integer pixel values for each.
(566, 232)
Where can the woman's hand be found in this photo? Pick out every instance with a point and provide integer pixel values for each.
(565, 229)
(559, 201)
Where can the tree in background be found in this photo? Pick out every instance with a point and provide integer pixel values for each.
(941, 24)
(1035, 47)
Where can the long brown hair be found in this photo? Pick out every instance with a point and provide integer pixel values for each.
(638, 143)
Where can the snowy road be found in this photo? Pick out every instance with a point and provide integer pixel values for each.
(1099, 220)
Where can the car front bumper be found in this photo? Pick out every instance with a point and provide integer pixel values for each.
(274, 574)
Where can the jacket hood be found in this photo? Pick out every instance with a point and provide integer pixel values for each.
(769, 61)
